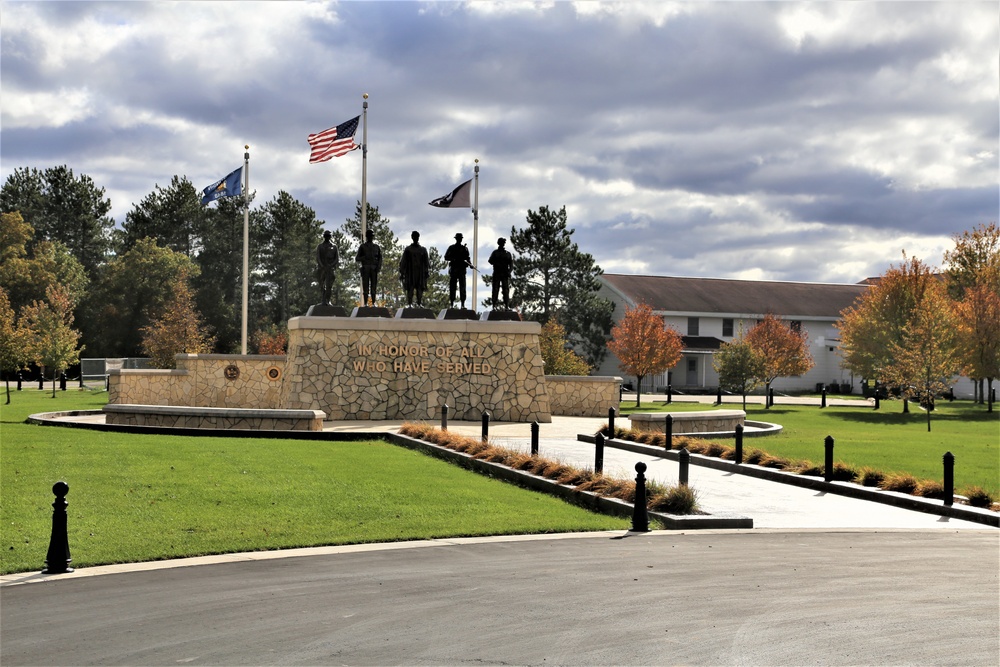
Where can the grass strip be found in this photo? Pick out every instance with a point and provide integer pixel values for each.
(149, 497)
(886, 442)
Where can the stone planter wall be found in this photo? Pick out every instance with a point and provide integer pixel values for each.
(377, 369)
(582, 396)
(708, 421)
(213, 418)
(203, 380)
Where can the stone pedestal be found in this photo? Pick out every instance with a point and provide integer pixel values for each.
(326, 310)
(371, 311)
(500, 316)
(415, 313)
(388, 369)
(458, 314)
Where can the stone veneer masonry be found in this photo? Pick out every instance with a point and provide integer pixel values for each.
(581, 395)
(501, 372)
(706, 421)
(377, 369)
(203, 380)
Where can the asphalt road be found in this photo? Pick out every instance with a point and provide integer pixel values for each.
(794, 597)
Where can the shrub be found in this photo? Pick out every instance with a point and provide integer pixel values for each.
(844, 473)
(929, 489)
(871, 477)
(979, 497)
(680, 499)
(899, 483)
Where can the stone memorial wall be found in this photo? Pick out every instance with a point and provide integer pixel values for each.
(379, 369)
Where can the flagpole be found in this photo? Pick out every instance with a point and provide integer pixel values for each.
(246, 245)
(475, 238)
(364, 168)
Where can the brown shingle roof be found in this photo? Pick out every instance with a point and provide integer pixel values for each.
(736, 297)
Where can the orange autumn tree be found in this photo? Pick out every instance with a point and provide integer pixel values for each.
(782, 350)
(52, 341)
(178, 329)
(644, 345)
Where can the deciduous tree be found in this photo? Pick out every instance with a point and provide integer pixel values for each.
(53, 342)
(132, 288)
(739, 367)
(973, 275)
(874, 325)
(558, 356)
(783, 351)
(14, 341)
(177, 329)
(644, 345)
(978, 336)
(925, 359)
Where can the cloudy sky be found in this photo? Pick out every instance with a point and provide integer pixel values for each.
(761, 140)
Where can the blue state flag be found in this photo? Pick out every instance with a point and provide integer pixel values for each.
(230, 186)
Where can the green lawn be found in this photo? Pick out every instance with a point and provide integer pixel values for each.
(148, 497)
(886, 439)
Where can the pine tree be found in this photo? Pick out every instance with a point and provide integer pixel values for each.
(552, 278)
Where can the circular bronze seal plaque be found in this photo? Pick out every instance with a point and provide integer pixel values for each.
(273, 373)
(232, 372)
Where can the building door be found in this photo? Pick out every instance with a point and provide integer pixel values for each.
(692, 372)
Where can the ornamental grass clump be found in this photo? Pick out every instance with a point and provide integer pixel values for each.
(979, 497)
(899, 483)
(562, 473)
(680, 499)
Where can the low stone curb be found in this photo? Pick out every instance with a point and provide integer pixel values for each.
(585, 499)
(849, 489)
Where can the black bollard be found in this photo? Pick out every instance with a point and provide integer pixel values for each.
(19, 378)
(444, 417)
(486, 426)
(949, 478)
(611, 422)
(599, 454)
(739, 444)
(41, 379)
(669, 441)
(876, 400)
(670, 394)
(62, 382)
(684, 459)
(81, 378)
(828, 459)
(57, 560)
(534, 438)
(822, 398)
(906, 406)
(640, 519)
(718, 396)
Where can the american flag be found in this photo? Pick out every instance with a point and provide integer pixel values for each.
(334, 142)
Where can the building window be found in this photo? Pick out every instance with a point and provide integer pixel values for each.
(796, 326)
(727, 327)
(692, 326)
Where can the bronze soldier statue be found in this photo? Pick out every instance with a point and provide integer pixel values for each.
(457, 256)
(327, 263)
(503, 263)
(414, 269)
(369, 259)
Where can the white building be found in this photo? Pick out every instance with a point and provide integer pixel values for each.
(709, 311)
